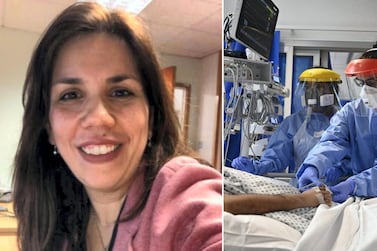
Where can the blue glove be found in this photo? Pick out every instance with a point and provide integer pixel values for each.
(243, 163)
(308, 177)
(341, 191)
(333, 175)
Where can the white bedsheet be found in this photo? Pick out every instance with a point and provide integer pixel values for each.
(256, 232)
(347, 226)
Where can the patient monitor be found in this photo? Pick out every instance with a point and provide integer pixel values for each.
(253, 23)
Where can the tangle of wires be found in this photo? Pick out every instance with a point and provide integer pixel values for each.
(258, 107)
(232, 107)
(248, 103)
(257, 110)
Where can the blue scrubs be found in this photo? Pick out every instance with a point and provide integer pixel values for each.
(280, 151)
(352, 134)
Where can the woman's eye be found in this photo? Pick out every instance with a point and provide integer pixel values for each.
(120, 93)
(70, 95)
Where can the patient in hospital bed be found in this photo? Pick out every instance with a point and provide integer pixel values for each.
(247, 193)
(266, 203)
(347, 226)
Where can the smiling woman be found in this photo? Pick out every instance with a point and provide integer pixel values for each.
(99, 113)
(101, 155)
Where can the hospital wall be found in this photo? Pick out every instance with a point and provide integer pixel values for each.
(16, 47)
(204, 76)
(15, 50)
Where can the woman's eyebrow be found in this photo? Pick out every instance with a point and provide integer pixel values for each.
(120, 78)
(73, 81)
(112, 80)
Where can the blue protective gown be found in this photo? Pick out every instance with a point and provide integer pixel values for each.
(352, 134)
(280, 151)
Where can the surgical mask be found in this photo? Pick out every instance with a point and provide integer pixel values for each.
(369, 96)
(324, 100)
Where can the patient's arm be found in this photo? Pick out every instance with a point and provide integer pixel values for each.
(261, 203)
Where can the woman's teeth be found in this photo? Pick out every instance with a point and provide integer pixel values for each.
(99, 149)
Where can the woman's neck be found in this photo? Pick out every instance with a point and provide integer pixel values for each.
(103, 217)
(99, 236)
(106, 207)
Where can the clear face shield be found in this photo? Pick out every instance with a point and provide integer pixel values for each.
(365, 87)
(361, 76)
(321, 97)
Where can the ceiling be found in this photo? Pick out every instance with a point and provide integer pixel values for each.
(190, 28)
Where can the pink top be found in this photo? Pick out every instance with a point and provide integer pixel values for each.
(183, 211)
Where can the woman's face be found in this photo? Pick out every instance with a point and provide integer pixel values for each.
(99, 113)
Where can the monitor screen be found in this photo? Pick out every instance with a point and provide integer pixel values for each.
(255, 25)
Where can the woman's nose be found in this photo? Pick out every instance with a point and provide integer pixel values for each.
(97, 114)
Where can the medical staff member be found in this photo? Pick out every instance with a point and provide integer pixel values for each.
(316, 100)
(352, 134)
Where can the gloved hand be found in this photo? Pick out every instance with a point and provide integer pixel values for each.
(341, 191)
(243, 163)
(333, 175)
(309, 176)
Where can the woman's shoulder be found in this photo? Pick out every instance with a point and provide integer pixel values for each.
(184, 208)
(184, 166)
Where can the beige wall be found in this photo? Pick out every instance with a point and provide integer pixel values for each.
(209, 102)
(187, 72)
(15, 51)
(202, 74)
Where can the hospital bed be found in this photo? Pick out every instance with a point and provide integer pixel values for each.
(347, 226)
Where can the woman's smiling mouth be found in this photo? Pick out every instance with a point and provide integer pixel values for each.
(99, 149)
